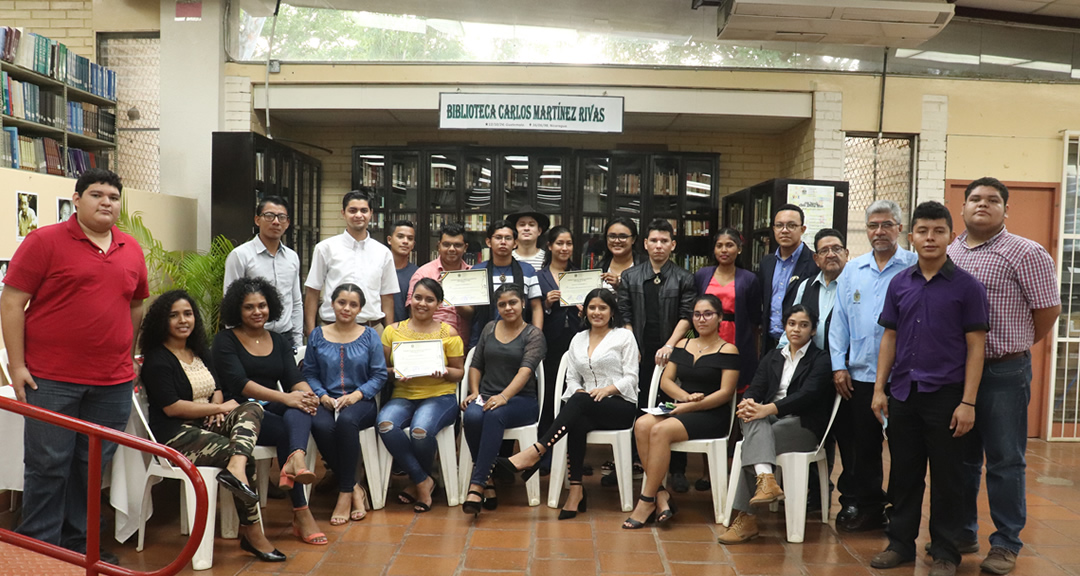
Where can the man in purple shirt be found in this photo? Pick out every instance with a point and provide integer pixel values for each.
(936, 317)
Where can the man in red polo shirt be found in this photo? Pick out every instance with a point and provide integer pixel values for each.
(71, 305)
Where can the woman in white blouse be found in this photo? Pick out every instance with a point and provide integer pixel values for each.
(601, 394)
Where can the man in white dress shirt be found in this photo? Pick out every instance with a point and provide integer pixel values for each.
(266, 257)
(355, 257)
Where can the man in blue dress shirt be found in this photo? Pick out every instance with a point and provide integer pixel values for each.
(791, 263)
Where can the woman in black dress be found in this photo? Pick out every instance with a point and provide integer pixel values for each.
(707, 371)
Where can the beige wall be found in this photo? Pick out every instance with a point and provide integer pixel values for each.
(126, 15)
(68, 21)
(170, 218)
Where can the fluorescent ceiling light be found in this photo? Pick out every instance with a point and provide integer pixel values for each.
(1047, 66)
(1001, 60)
(947, 57)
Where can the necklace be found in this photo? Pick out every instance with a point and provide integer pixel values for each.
(704, 348)
(502, 275)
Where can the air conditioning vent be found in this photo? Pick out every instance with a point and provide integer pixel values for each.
(894, 23)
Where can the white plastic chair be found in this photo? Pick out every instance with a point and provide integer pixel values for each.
(525, 436)
(714, 449)
(795, 469)
(162, 468)
(447, 459)
(619, 440)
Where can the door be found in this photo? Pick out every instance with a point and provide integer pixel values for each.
(1033, 215)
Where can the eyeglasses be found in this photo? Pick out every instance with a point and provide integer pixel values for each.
(835, 249)
(787, 226)
(619, 237)
(706, 315)
(270, 217)
(884, 226)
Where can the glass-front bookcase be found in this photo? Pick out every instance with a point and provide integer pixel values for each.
(583, 189)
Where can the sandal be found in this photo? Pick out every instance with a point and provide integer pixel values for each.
(472, 506)
(303, 475)
(315, 538)
(420, 507)
(358, 515)
(669, 512)
(404, 497)
(631, 524)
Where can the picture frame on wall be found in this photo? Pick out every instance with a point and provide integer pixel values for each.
(3, 271)
(65, 209)
(26, 213)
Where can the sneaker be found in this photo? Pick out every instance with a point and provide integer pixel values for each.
(889, 559)
(943, 568)
(679, 483)
(768, 491)
(743, 529)
(998, 561)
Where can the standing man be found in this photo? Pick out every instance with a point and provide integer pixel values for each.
(791, 263)
(355, 257)
(530, 226)
(71, 305)
(1024, 303)
(451, 249)
(266, 257)
(935, 317)
(402, 239)
(854, 341)
(818, 294)
(503, 268)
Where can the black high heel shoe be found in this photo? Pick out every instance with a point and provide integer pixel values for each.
(581, 507)
(493, 502)
(275, 556)
(631, 524)
(526, 473)
(669, 512)
(472, 506)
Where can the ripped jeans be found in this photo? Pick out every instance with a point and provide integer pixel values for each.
(415, 451)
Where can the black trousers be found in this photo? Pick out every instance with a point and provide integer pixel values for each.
(581, 415)
(919, 432)
(866, 440)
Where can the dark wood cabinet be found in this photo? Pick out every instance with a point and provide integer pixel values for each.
(246, 167)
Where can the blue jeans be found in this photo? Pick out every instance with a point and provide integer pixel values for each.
(1001, 431)
(55, 459)
(339, 440)
(484, 431)
(287, 429)
(425, 418)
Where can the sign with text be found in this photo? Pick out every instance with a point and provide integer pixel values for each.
(547, 113)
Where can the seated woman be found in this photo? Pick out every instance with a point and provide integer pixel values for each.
(502, 389)
(701, 377)
(424, 404)
(786, 409)
(601, 394)
(251, 361)
(344, 366)
(187, 411)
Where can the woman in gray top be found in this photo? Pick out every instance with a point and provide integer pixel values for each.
(502, 387)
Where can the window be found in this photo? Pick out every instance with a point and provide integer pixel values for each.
(876, 169)
(136, 60)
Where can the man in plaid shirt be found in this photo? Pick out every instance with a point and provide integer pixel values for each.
(1025, 301)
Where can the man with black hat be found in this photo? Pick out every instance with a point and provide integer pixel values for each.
(530, 226)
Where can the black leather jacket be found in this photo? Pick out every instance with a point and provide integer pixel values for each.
(677, 293)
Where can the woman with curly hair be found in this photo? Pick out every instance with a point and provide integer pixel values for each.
(188, 411)
(250, 361)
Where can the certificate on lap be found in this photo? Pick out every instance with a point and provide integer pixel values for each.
(574, 286)
(417, 358)
(465, 287)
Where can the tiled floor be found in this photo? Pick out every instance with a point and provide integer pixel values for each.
(517, 539)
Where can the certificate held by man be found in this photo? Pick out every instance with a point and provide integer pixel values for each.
(416, 358)
(465, 288)
(575, 285)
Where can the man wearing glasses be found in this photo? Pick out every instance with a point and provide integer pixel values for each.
(265, 256)
(451, 249)
(854, 340)
(791, 263)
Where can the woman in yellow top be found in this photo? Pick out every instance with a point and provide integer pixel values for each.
(425, 404)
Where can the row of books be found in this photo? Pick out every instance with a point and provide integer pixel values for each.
(90, 120)
(53, 59)
(28, 101)
(697, 228)
(46, 155)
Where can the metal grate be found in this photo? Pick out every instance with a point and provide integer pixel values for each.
(876, 169)
(1065, 365)
(137, 62)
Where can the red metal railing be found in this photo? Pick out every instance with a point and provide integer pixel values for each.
(91, 560)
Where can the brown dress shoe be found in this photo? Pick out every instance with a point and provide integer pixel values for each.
(743, 529)
(943, 568)
(889, 559)
(768, 491)
(999, 561)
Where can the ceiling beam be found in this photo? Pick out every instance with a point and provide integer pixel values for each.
(1002, 17)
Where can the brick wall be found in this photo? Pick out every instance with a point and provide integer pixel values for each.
(828, 137)
(932, 145)
(238, 113)
(745, 159)
(67, 21)
(797, 152)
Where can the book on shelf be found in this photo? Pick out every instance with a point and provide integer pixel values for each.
(80, 161)
(33, 154)
(50, 58)
(628, 184)
(666, 184)
(90, 120)
(694, 263)
(476, 222)
(405, 175)
(28, 101)
(762, 212)
(696, 228)
(735, 215)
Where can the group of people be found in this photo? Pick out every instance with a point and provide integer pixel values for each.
(911, 341)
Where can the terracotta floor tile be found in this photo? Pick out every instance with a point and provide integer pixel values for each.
(636, 562)
(511, 539)
(336, 570)
(836, 570)
(433, 545)
(640, 541)
(701, 569)
(687, 533)
(562, 530)
(404, 565)
(497, 559)
(562, 568)
(375, 533)
(356, 553)
(556, 549)
(766, 565)
(695, 552)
